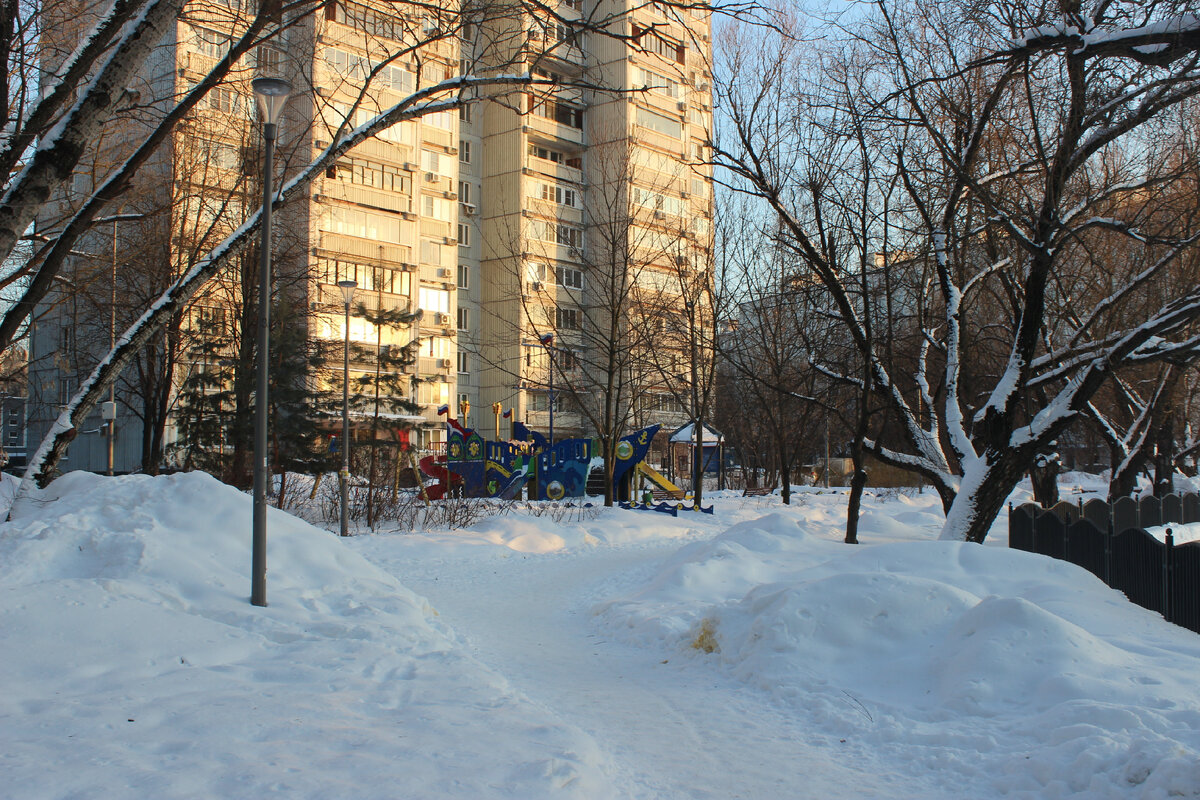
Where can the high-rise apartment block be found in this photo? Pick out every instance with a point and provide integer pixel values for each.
(501, 221)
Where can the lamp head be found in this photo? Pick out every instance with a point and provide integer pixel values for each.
(347, 288)
(272, 94)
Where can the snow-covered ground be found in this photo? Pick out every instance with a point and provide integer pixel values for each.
(576, 654)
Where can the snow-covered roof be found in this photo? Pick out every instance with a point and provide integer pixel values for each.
(687, 434)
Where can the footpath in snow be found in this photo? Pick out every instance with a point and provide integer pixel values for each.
(600, 654)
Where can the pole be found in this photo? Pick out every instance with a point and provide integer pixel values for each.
(344, 475)
(550, 355)
(112, 345)
(258, 588)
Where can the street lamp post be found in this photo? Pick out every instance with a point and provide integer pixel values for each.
(347, 288)
(272, 94)
(547, 341)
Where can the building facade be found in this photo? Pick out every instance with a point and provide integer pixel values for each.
(494, 221)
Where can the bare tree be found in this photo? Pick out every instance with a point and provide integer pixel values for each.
(951, 81)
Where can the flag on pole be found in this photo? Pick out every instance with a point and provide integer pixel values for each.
(547, 339)
(443, 409)
(507, 414)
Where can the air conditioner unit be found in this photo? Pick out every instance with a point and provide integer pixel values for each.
(535, 286)
(660, 215)
(681, 105)
(430, 177)
(443, 272)
(441, 319)
(468, 209)
(444, 363)
(535, 33)
(409, 166)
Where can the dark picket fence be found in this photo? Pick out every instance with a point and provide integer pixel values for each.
(1112, 543)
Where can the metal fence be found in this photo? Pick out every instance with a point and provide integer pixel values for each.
(1111, 542)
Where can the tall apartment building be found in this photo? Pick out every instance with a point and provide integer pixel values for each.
(489, 220)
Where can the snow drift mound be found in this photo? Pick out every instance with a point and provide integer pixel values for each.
(133, 658)
(1027, 661)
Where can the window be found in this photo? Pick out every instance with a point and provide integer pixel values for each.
(464, 318)
(562, 113)
(556, 156)
(464, 112)
(652, 41)
(464, 235)
(431, 161)
(464, 361)
(555, 193)
(464, 276)
(568, 360)
(431, 252)
(433, 393)
(267, 59)
(378, 23)
(211, 43)
(369, 277)
(367, 173)
(659, 83)
(566, 319)
(435, 300)
(435, 207)
(364, 224)
(464, 192)
(226, 100)
(358, 69)
(657, 122)
(535, 271)
(464, 151)
(568, 277)
(557, 232)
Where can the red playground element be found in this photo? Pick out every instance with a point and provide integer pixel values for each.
(435, 467)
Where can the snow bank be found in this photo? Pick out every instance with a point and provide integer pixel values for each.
(1017, 673)
(134, 662)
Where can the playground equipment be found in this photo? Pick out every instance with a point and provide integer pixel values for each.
(480, 468)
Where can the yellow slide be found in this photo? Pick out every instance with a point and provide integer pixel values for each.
(658, 479)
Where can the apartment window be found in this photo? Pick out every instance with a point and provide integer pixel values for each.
(435, 300)
(464, 112)
(566, 319)
(562, 113)
(435, 207)
(555, 193)
(535, 271)
(378, 23)
(660, 83)
(568, 361)
(431, 161)
(431, 252)
(464, 361)
(210, 43)
(369, 277)
(464, 276)
(364, 224)
(464, 318)
(568, 277)
(559, 233)
(225, 100)
(657, 122)
(433, 393)
(464, 192)
(464, 235)
(368, 173)
(349, 65)
(464, 151)
(556, 156)
(652, 41)
(267, 59)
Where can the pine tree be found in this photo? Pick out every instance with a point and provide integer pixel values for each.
(384, 393)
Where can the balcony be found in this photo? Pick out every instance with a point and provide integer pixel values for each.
(367, 196)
